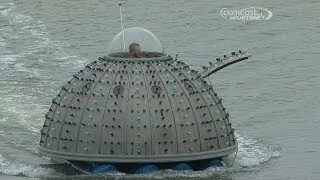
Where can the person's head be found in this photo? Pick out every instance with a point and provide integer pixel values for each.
(134, 49)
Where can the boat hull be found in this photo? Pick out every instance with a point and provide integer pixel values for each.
(92, 168)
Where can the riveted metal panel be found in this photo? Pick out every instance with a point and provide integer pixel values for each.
(138, 133)
(125, 110)
(165, 130)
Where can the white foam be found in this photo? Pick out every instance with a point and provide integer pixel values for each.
(7, 60)
(30, 73)
(19, 169)
(5, 12)
(21, 18)
(36, 39)
(165, 174)
(6, 9)
(66, 57)
(16, 109)
(2, 44)
(26, 170)
(20, 67)
(251, 154)
(4, 120)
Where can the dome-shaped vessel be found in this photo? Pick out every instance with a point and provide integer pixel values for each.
(148, 109)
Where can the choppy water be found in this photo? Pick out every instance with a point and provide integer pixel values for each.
(273, 100)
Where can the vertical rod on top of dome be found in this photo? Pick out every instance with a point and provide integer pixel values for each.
(120, 8)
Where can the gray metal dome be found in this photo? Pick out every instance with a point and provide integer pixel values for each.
(152, 109)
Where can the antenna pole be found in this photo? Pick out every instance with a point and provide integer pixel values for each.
(120, 6)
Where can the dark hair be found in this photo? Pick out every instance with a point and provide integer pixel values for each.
(133, 45)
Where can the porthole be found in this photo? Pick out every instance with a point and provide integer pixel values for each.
(86, 88)
(156, 90)
(118, 90)
(188, 87)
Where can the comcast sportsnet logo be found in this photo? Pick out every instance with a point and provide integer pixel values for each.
(246, 14)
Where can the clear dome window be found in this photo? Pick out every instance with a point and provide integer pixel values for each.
(136, 42)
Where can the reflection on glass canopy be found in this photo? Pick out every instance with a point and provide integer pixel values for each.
(136, 36)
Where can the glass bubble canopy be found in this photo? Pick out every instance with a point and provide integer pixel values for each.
(150, 45)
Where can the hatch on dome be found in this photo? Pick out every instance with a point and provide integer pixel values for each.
(143, 43)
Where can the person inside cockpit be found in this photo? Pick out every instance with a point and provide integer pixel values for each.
(134, 49)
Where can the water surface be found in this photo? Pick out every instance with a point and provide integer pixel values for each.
(273, 100)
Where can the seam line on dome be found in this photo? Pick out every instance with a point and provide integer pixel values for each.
(149, 109)
(55, 110)
(127, 109)
(84, 107)
(223, 115)
(68, 107)
(105, 107)
(217, 103)
(173, 116)
(215, 125)
(188, 98)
